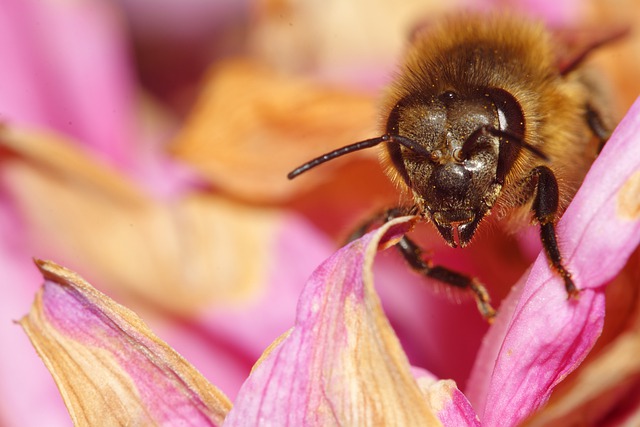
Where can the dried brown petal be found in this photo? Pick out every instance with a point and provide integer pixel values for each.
(183, 254)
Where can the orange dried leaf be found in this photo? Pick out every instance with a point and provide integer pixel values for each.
(252, 126)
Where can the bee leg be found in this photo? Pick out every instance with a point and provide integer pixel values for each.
(381, 217)
(545, 208)
(413, 254)
(598, 126)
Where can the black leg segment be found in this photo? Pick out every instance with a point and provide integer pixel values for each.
(413, 254)
(545, 208)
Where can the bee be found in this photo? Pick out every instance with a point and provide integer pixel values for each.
(484, 117)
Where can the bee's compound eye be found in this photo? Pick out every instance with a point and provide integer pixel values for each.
(509, 110)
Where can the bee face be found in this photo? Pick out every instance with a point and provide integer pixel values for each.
(460, 179)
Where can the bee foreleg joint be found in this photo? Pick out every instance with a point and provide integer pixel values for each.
(413, 254)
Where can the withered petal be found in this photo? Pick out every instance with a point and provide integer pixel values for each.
(108, 365)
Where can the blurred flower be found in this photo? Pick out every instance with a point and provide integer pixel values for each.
(215, 261)
(85, 180)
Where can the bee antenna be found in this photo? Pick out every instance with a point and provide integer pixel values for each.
(336, 153)
(516, 139)
(368, 143)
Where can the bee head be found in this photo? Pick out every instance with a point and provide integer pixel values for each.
(452, 151)
(457, 175)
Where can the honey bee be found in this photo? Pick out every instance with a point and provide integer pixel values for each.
(483, 116)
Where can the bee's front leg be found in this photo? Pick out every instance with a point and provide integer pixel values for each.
(413, 254)
(545, 208)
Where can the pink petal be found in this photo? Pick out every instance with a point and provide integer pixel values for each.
(540, 336)
(66, 68)
(341, 364)
(110, 368)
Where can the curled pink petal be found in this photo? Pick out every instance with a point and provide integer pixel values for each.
(109, 367)
(451, 406)
(445, 399)
(540, 336)
(341, 364)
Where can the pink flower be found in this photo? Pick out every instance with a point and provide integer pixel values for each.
(341, 363)
(177, 252)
